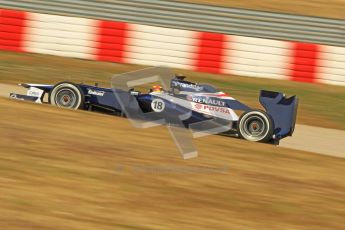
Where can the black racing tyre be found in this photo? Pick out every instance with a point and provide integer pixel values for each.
(256, 125)
(67, 95)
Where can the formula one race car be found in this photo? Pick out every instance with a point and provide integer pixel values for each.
(203, 101)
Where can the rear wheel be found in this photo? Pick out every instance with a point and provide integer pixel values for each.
(255, 125)
(67, 95)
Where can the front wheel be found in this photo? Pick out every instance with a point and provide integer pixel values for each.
(67, 95)
(256, 125)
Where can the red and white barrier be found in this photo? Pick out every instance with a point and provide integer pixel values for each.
(12, 26)
(150, 45)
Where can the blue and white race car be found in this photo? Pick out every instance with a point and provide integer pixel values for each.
(202, 102)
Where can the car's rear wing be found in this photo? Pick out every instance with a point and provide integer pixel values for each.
(283, 111)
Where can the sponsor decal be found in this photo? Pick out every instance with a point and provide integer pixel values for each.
(208, 101)
(209, 108)
(188, 86)
(96, 92)
(198, 106)
(13, 96)
(33, 93)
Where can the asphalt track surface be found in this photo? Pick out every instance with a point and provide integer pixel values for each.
(306, 138)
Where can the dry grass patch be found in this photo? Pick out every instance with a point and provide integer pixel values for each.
(65, 169)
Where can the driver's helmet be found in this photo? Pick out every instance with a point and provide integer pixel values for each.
(157, 89)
